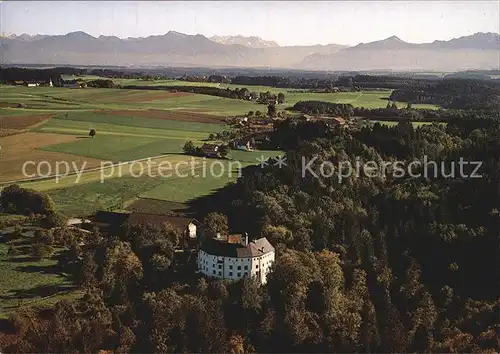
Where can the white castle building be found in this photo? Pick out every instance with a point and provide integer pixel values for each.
(236, 260)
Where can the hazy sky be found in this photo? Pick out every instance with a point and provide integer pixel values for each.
(287, 23)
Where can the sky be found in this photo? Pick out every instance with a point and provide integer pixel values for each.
(286, 22)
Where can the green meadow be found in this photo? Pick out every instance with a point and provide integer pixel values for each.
(25, 281)
(130, 125)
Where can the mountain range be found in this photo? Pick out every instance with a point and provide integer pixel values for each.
(478, 51)
(251, 42)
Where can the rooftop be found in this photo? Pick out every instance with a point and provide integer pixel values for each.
(118, 219)
(158, 219)
(254, 248)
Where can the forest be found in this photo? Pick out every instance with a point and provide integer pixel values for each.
(365, 264)
(453, 93)
(391, 112)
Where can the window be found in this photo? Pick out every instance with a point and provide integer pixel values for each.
(213, 272)
(256, 266)
(213, 265)
(239, 267)
(239, 275)
(230, 274)
(220, 273)
(246, 267)
(246, 274)
(230, 267)
(220, 266)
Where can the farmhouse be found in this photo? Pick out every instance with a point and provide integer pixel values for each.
(211, 150)
(187, 226)
(260, 139)
(32, 83)
(108, 221)
(72, 84)
(242, 144)
(234, 260)
(335, 121)
(112, 221)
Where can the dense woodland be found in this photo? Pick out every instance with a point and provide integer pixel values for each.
(453, 93)
(242, 93)
(384, 264)
(392, 112)
(9, 75)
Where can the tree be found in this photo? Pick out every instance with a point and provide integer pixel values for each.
(281, 98)
(271, 110)
(42, 251)
(258, 114)
(18, 200)
(250, 114)
(92, 133)
(189, 147)
(224, 150)
(53, 219)
(215, 223)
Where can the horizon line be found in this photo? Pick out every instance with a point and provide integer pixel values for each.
(6, 35)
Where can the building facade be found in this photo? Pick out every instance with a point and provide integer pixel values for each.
(235, 261)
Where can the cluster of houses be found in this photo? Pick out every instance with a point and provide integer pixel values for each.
(33, 83)
(332, 121)
(49, 83)
(231, 257)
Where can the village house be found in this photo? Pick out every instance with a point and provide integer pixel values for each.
(260, 139)
(235, 260)
(73, 84)
(337, 121)
(211, 150)
(242, 144)
(108, 221)
(187, 226)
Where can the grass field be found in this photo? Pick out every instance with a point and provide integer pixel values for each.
(121, 186)
(17, 149)
(130, 124)
(26, 281)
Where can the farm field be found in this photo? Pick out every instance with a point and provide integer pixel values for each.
(27, 281)
(367, 99)
(152, 206)
(208, 177)
(130, 125)
(19, 148)
(121, 189)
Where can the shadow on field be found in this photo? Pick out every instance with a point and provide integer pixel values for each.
(11, 237)
(50, 269)
(173, 153)
(39, 291)
(25, 258)
(83, 137)
(221, 201)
